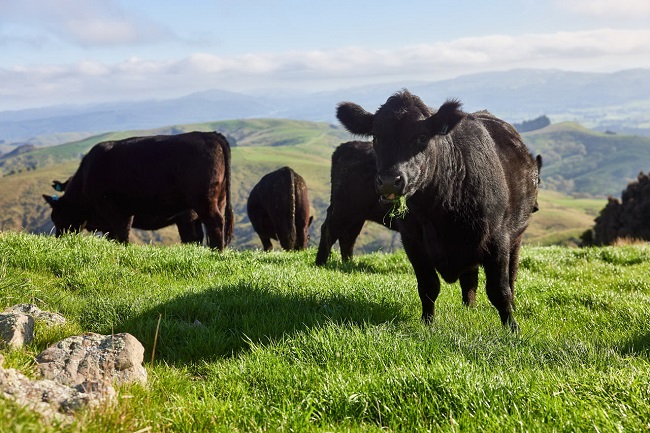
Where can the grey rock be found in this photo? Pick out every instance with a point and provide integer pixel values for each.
(16, 329)
(38, 314)
(93, 360)
(47, 397)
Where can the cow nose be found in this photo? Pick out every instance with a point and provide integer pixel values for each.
(389, 185)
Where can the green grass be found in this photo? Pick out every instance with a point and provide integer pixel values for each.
(253, 341)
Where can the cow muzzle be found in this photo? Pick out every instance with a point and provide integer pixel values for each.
(389, 186)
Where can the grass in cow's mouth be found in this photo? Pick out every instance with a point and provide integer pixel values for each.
(398, 210)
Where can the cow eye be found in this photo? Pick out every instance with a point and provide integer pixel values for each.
(422, 139)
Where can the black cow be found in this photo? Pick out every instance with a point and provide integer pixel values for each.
(353, 199)
(188, 223)
(278, 208)
(150, 176)
(470, 184)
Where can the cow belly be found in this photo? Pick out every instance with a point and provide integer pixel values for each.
(451, 256)
(161, 204)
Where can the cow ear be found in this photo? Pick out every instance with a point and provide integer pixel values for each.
(355, 119)
(448, 116)
(58, 186)
(50, 199)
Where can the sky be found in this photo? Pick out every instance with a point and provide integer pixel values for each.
(87, 51)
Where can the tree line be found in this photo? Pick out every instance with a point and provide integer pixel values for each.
(627, 218)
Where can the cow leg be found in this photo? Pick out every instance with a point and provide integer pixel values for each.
(348, 239)
(468, 285)
(188, 233)
(497, 285)
(119, 225)
(514, 267)
(190, 229)
(214, 224)
(326, 239)
(425, 273)
(286, 236)
(266, 243)
(120, 229)
(198, 231)
(337, 227)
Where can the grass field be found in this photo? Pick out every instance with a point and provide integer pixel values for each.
(283, 345)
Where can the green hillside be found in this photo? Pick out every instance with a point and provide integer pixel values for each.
(580, 161)
(262, 145)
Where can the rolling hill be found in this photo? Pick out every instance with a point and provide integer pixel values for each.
(262, 145)
(583, 162)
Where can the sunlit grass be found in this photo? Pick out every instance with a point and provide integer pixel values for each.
(253, 341)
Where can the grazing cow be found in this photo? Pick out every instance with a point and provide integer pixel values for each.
(470, 186)
(188, 223)
(353, 199)
(151, 176)
(278, 208)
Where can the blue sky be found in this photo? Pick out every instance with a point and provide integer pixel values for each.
(81, 51)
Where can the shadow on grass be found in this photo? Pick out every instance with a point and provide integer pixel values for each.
(349, 267)
(637, 346)
(360, 265)
(224, 321)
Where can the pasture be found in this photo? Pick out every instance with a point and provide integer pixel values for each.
(253, 341)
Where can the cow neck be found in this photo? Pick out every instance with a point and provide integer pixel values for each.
(445, 180)
(74, 189)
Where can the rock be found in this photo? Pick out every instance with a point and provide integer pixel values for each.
(47, 397)
(92, 360)
(78, 372)
(16, 329)
(38, 314)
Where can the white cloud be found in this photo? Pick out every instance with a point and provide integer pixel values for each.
(139, 78)
(607, 9)
(82, 22)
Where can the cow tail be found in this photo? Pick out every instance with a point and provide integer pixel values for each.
(229, 216)
(294, 198)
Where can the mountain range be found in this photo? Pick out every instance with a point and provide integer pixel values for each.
(617, 102)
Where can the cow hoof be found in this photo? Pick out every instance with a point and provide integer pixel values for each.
(427, 319)
(512, 324)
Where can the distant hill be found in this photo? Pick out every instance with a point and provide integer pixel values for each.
(577, 160)
(618, 102)
(580, 161)
(260, 146)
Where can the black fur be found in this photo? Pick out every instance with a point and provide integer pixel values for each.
(158, 175)
(353, 199)
(188, 223)
(278, 208)
(471, 185)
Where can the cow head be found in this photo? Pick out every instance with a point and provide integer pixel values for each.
(60, 186)
(65, 216)
(405, 132)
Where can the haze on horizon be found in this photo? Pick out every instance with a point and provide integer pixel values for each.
(74, 51)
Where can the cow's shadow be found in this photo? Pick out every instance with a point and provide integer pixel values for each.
(349, 267)
(358, 265)
(224, 321)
